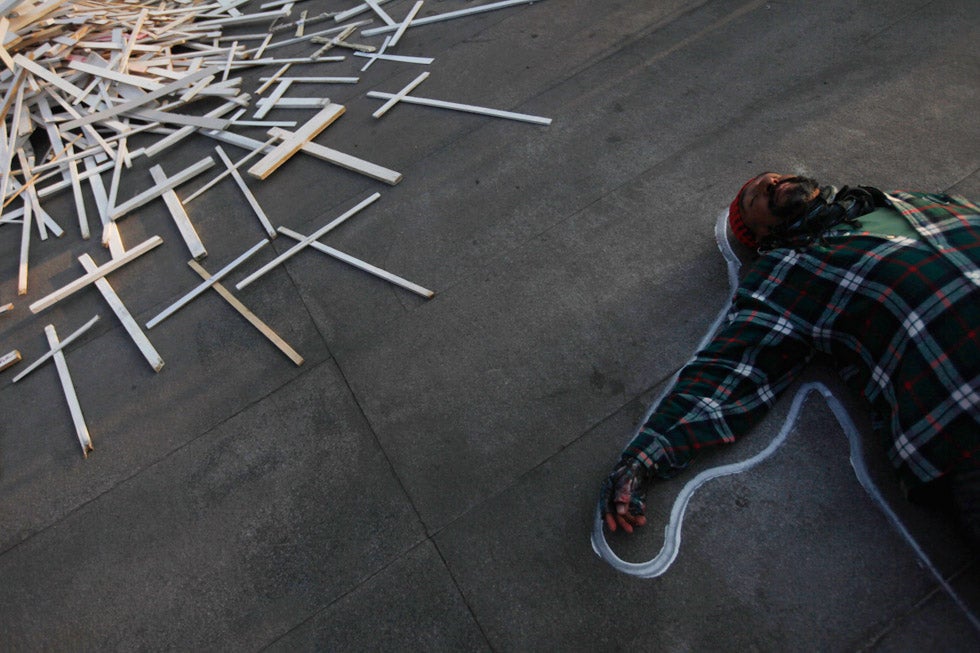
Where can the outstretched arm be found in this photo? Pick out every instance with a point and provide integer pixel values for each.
(724, 390)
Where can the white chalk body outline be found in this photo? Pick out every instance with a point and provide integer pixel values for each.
(659, 564)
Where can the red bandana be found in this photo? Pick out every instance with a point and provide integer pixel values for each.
(742, 232)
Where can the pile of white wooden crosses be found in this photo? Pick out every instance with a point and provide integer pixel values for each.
(86, 75)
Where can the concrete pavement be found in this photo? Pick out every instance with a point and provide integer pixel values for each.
(426, 480)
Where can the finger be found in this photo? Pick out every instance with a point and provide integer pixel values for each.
(610, 522)
(624, 523)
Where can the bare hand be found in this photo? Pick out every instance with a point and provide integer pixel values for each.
(622, 498)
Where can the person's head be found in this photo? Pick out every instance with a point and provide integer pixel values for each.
(768, 200)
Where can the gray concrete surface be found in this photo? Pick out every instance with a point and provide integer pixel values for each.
(426, 479)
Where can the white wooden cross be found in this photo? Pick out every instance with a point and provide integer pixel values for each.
(55, 351)
(306, 241)
(403, 96)
(210, 281)
(252, 318)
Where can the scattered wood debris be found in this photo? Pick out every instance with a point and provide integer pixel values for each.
(80, 78)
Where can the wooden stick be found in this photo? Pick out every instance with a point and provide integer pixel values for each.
(400, 95)
(253, 319)
(359, 9)
(306, 241)
(468, 108)
(184, 132)
(316, 80)
(381, 13)
(49, 77)
(269, 81)
(343, 160)
(127, 320)
(177, 212)
(100, 272)
(277, 93)
(293, 103)
(25, 243)
(254, 203)
(405, 23)
(76, 190)
(257, 149)
(138, 81)
(362, 265)
(159, 188)
(98, 189)
(180, 303)
(450, 15)
(145, 99)
(64, 343)
(81, 429)
(8, 359)
(308, 131)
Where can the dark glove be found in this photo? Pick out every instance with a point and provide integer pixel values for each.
(622, 497)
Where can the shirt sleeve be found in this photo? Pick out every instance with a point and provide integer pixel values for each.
(726, 388)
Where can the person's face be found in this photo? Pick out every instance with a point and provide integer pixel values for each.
(772, 198)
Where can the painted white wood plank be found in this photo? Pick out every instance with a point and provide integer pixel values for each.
(64, 343)
(138, 81)
(354, 11)
(81, 429)
(8, 359)
(125, 317)
(306, 241)
(170, 118)
(451, 14)
(252, 318)
(98, 189)
(294, 103)
(405, 23)
(362, 265)
(25, 244)
(177, 212)
(103, 270)
(315, 80)
(240, 141)
(309, 130)
(254, 203)
(145, 99)
(381, 13)
(274, 97)
(455, 106)
(76, 190)
(180, 303)
(394, 99)
(343, 160)
(158, 189)
(112, 239)
(186, 131)
(52, 78)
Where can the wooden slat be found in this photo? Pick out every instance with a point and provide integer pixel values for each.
(306, 241)
(343, 160)
(81, 429)
(254, 203)
(253, 319)
(125, 318)
(64, 343)
(184, 225)
(101, 271)
(159, 188)
(362, 265)
(308, 131)
(145, 99)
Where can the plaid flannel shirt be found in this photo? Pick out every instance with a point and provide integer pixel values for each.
(899, 316)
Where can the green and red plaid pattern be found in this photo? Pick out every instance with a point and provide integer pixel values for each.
(900, 318)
